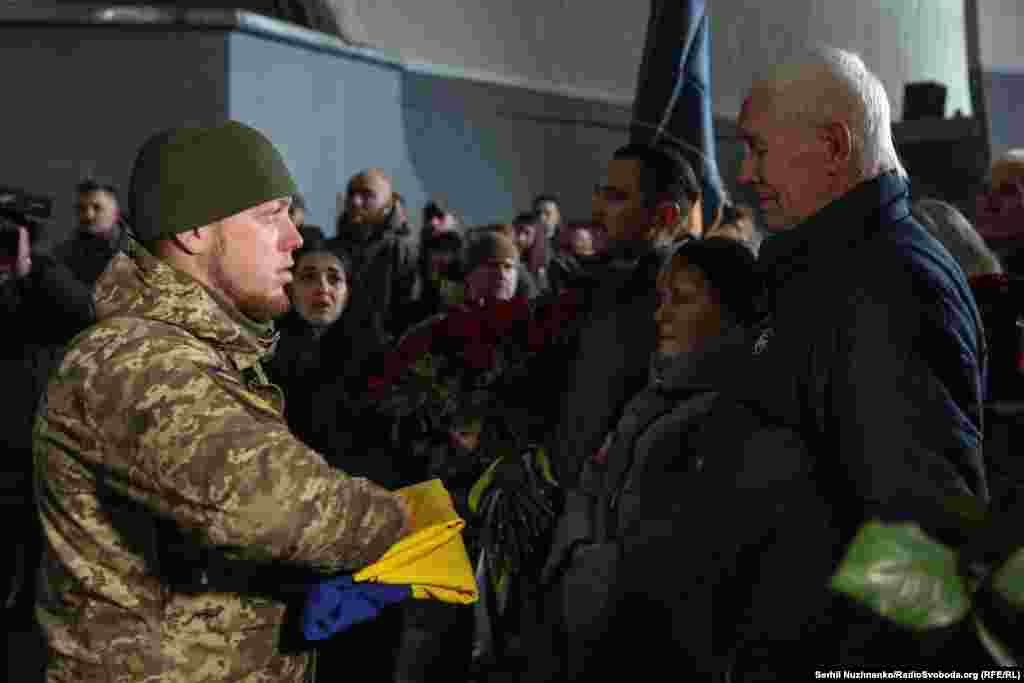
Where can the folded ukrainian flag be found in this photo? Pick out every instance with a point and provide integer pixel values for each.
(432, 560)
(430, 563)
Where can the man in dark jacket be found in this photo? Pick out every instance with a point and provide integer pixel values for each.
(385, 268)
(861, 398)
(645, 202)
(100, 234)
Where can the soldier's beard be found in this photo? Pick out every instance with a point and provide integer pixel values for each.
(256, 306)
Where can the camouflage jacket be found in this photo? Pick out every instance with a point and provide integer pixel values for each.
(158, 426)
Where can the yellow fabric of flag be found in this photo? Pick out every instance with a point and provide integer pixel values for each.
(432, 559)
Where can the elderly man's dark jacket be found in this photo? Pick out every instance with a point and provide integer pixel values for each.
(861, 399)
(384, 285)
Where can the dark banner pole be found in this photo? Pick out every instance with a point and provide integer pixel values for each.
(673, 95)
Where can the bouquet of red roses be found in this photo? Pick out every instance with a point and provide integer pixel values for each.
(470, 356)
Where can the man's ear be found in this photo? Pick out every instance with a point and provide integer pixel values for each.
(695, 219)
(838, 142)
(197, 240)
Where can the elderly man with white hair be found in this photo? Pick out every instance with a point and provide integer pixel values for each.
(861, 399)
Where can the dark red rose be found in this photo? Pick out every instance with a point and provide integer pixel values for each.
(465, 325)
(989, 282)
(536, 336)
(479, 356)
(552, 319)
(600, 456)
(414, 346)
(501, 316)
(376, 386)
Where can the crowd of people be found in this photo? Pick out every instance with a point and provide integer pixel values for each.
(653, 425)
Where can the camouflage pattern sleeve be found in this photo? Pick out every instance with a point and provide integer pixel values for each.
(178, 429)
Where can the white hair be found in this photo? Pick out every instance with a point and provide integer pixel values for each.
(1013, 155)
(828, 84)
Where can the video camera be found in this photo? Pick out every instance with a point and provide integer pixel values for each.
(19, 208)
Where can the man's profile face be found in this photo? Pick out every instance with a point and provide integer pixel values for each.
(252, 260)
(618, 205)
(783, 162)
(97, 212)
(369, 199)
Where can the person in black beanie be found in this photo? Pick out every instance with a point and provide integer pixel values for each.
(629, 487)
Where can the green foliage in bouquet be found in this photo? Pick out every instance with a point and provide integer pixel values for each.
(462, 391)
(920, 583)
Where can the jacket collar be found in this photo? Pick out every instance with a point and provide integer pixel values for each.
(847, 221)
(141, 285)
(117, 242)
(702, 369)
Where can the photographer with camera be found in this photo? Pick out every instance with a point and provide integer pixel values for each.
(42, 306)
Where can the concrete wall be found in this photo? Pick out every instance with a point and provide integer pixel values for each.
(578, 46)
(1005, 96)
(1000, 26)
(486, 148)
(329, 115)
(95, 93)
(90, 98)
(537, 106)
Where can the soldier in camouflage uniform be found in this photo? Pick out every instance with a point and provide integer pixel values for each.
(160, 430)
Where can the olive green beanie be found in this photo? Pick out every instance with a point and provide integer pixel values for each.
(186, 178)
